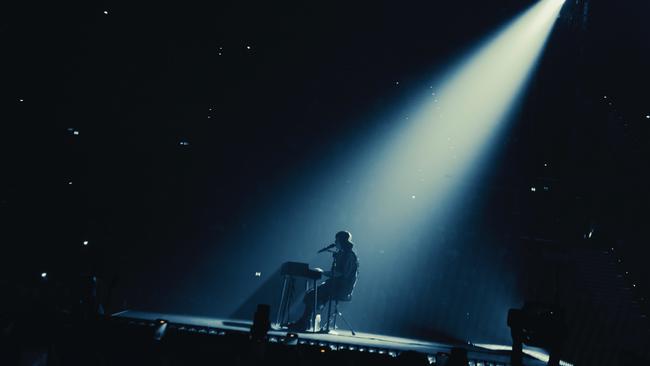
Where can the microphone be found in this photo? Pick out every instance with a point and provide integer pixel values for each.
(327, 248)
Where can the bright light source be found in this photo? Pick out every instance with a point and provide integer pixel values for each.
(258, 274)
(531, 351)
(85, 242)
(474, 101)
(370, 185)
(44, 274)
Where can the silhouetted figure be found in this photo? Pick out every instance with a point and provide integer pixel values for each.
(261, 322)
(338, 286)
(538, 325)
(458, 357)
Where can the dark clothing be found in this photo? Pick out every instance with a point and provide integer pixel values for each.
(346, 267)
(339, 286)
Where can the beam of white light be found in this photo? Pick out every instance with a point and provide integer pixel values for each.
(534, 352)
(448, 138)
(401, 180)
(412, 179)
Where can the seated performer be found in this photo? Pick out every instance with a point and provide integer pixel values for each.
(338, 286)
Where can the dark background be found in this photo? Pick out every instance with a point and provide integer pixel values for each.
(144, 78)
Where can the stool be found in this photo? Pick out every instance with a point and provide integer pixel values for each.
(331, 321)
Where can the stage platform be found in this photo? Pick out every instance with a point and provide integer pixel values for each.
(479, 355)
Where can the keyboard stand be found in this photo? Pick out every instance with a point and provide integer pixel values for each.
(290, 271)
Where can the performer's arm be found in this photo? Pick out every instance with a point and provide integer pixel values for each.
(332, 274)
(346, 269)
(349, 266)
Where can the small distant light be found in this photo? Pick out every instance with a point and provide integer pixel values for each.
(590, 234)
(248, 47)
(210, 109)
(85, 242)
(219, 53)
(634, 285)
(545, 164)
(258, 274)
(209, 117)
(21, 100)
(322, 350)
(184, 143)
(605, 97)
(105, 12)
(647, 116)
(70, 183)
(44, 274)
(413, 197)
(533, 189)
(75, 132)
(397, 83)
(546, 188)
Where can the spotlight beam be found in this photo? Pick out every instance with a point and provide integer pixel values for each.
(406, 179)
(450, 133)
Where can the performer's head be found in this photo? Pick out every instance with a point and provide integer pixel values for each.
(343, 239)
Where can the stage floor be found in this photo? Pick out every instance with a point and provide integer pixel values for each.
(479, 355)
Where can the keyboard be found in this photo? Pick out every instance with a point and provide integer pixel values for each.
(299, 269)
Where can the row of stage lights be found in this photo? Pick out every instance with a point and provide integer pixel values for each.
(161, 326)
